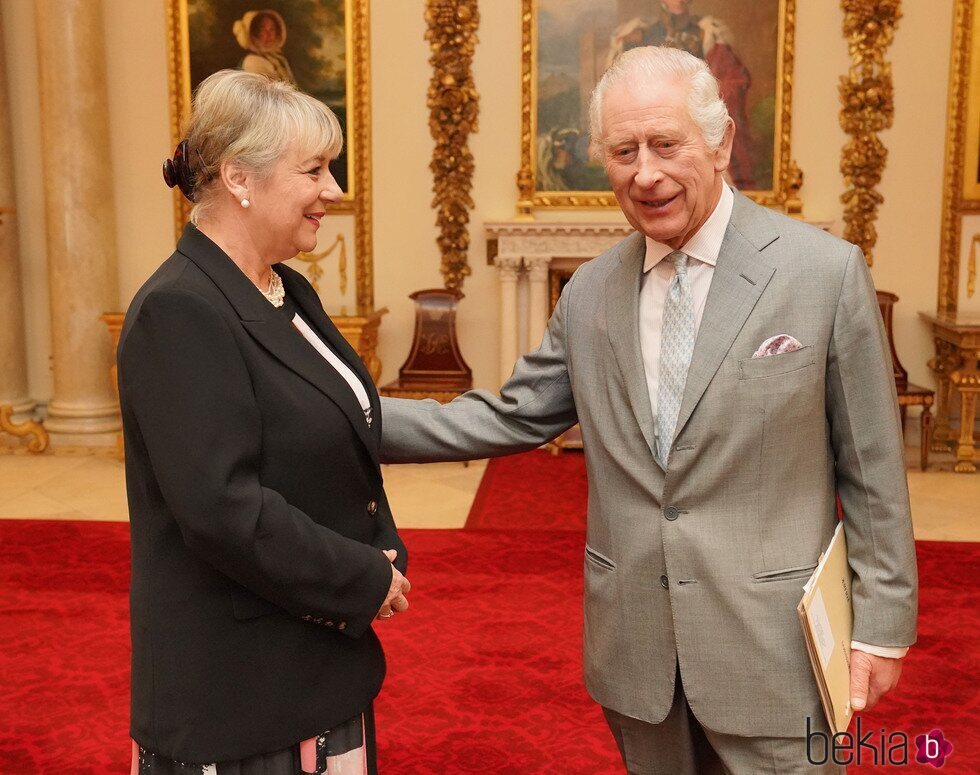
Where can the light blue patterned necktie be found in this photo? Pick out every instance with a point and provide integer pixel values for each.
(676, 347)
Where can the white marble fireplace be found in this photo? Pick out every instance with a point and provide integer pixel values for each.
(525, 254)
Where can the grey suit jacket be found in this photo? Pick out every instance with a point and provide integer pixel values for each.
(737, 521)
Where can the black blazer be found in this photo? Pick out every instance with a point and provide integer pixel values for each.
(257, 515)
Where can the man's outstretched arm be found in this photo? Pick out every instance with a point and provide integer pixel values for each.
(533, 406)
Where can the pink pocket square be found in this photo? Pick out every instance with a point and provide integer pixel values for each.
(777, 345)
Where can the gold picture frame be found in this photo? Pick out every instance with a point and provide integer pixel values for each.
(357, 119)
(961, 179)
(780, 190)
(971, 150)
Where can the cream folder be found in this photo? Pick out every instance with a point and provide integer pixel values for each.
(828, 619)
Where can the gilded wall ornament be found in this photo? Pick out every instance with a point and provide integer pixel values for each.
(39, 436)
(316, 271)
(868, 98)
(453, 114)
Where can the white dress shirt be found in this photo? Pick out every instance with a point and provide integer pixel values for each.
(702, 249)
(658, 274)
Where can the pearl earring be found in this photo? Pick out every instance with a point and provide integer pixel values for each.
(245, 203)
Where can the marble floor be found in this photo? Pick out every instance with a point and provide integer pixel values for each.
(81, 484)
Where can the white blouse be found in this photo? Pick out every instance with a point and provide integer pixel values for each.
(343, 369)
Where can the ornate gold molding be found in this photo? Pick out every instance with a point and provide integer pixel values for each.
(525, 175)
(359, 84)
(38, 443)
(789, 178)
(453, 113)
(314, 259)
(867, 95)
(971, 268)
(953, 204)
(358, 200)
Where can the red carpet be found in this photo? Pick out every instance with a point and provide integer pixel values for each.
(532, 491)
(484, 670)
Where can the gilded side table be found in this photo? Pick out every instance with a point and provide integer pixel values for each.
(361, 332)
(957, 367)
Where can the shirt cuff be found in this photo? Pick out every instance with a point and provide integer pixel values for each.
(889, 652)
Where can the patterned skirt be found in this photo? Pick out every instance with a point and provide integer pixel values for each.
(348, 749)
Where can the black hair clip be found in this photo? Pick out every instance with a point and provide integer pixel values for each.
(177, 171)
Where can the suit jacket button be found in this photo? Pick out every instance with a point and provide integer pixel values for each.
(664, 582)
(372, 507)
(671, 513)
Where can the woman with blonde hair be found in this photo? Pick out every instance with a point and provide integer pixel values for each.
(263, 547)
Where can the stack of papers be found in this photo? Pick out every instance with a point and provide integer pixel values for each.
(828, 620)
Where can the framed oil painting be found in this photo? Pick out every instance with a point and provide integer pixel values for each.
(568, 44)
(321, 46)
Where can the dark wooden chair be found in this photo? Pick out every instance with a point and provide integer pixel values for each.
(908, 394)
(435, 367)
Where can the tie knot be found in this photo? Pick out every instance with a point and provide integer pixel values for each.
(680, 261)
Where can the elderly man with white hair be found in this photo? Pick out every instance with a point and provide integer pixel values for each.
(729, 370)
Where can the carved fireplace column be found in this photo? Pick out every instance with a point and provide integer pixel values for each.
(13, 346)
(539, 309)
(509, 267)
(80, 218)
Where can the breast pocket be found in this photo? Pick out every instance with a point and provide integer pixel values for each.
(777, 365)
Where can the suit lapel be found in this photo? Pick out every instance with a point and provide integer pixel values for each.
(269, 327)
(622, 314)
(312, 311)
(740, 277)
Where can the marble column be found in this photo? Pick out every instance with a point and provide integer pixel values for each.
(509, 268)
(81, 234)
(539, 300)
(13, 345)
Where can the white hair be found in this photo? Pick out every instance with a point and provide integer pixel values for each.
(250, 119)
(653, 63)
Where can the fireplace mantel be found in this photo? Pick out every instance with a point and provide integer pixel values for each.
(525, 252)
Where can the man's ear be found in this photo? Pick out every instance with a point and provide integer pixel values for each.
(236, 179)
(723, 154)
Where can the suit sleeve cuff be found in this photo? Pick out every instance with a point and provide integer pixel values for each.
(890, 652)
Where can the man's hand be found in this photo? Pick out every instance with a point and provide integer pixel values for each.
(395, 601)
(871, 678)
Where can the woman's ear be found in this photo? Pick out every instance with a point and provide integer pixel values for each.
(236, 179)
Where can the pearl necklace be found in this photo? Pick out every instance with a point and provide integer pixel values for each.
(276, 293)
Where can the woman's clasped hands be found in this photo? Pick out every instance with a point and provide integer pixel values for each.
(395, 601)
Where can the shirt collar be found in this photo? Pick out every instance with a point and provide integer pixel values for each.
(705, 245)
